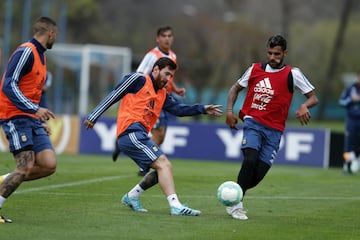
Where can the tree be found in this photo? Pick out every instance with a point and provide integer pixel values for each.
(338, 43)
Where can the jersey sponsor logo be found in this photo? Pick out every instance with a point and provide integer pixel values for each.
(264, 86)
(263, 94)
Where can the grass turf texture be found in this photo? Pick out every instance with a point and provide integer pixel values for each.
(82, 201)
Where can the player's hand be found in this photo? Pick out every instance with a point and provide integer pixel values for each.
(44, 114)
(181, 92)
(231, 120)
(303, 115)
(47, 128)
(214, 110)
(88, 124)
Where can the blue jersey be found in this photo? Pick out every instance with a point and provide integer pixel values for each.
(352, 107)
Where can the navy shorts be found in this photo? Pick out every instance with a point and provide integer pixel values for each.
(140, 148)
(27, 133)
(264, 139)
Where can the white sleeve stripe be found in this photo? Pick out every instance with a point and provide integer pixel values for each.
(15, 79)
(109, 100)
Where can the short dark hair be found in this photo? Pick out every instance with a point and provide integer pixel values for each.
(165, 61)
(161, 30)
(277, 40)
(43, 25)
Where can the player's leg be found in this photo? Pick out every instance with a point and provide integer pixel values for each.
(158, 134)
(139, 147)
(248, 169)
(19, 134)
(116, 152)
(261, 170)
(349, 145)
(256, 163)
(3, 177)
(267, 153)
(149, 180)
(245, 180)
(24, 162)
(250, 145)
(45, 165)
(45, 159)
(163, 168)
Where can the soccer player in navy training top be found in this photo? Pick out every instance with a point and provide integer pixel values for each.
(143, 97)
(21, 117)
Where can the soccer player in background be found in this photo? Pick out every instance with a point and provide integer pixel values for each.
(21, 117)
(264, 112)
(143, 96)
(165, 39)
(350, 99)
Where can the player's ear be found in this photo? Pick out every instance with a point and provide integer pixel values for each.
(285, 52)
(155, 69)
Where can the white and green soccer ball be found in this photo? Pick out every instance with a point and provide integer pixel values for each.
(229, 193)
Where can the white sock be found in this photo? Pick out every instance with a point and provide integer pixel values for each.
(135, 192)
(4, 176)
(2, 200)
(239, 205)
(174, 201)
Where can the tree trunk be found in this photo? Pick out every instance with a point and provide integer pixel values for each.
(329, 78)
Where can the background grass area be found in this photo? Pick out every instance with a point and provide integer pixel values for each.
(82, 201)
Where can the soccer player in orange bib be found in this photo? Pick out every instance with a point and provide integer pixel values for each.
(21, 117)
(143, 96)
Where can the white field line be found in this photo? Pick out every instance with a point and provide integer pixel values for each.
(70, 184)
(44, 190)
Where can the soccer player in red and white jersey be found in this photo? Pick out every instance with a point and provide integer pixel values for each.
(164, 39)
(264, 112)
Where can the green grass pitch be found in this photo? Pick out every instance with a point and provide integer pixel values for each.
(82, 201)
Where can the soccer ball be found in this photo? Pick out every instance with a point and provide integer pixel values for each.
(229, 193)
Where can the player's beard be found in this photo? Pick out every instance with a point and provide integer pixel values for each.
(49, 45)
(276, 64)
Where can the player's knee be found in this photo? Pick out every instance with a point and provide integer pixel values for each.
(162, 163)
(51, 170)
(47, 168)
